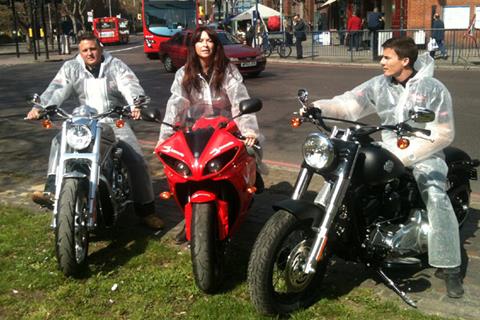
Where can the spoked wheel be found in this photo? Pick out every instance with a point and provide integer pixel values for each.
(206, 248)
(168, 64)
(276, 279)
(71, 234)
(459, 195)
(267, 50)
(284, 51)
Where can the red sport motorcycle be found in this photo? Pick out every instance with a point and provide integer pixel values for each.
(213, 177)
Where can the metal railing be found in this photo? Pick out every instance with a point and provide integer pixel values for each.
(462, 47)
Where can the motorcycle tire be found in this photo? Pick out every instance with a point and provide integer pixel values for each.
(284, 51)
(71, 234)
(207, 260)
(276, 283)
(459, 194)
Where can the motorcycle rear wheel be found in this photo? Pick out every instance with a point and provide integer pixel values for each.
(205, 248)
(276, 282)
(71, 234)
(459, 195)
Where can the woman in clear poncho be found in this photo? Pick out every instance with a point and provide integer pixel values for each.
(208, 85)
(405, 86)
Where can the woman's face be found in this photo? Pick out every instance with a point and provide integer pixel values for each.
(204, 47)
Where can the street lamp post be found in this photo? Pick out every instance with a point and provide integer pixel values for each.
(110, 7)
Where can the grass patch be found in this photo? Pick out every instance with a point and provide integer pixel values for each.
(152, 276)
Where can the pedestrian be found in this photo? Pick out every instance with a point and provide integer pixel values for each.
(354, 29)
(300, 32)
(438, 33)
(249, 35)
(408, 83)
(85, 76)
(375, 22)
(209, 84)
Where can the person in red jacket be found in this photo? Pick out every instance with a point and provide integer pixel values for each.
(354, 28)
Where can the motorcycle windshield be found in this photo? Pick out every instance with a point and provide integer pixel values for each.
(198, 139)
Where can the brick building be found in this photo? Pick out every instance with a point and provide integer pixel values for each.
(410, 14)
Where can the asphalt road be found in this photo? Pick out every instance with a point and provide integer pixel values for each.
(24, 148)
(277, 86)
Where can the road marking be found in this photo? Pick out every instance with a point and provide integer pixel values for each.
(126, 49)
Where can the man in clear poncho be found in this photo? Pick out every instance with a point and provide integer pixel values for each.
(407, 83)
(101, 81)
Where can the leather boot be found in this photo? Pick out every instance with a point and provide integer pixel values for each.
(453, 282)
(46, 198)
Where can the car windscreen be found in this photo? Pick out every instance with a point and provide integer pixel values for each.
(105, 25)
(227, 39)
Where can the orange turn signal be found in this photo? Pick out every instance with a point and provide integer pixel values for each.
(120, 123)
(251, 190)
(403, 143)
(295, 122)
(47, 124)
(165, 195)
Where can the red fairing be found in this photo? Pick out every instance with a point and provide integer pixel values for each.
(191, 182)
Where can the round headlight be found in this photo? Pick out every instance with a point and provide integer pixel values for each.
(318, 151)
(79, 137)
(214, 166)
(182, 169)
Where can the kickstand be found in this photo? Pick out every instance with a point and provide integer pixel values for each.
(394, 287)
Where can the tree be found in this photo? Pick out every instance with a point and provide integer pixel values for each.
(76, 10)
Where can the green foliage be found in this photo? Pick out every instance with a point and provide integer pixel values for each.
(137, 276)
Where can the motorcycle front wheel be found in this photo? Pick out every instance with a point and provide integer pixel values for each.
(71, 234)
(276, 281)
(205, 247)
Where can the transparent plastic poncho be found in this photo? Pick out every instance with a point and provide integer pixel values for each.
(209, 102)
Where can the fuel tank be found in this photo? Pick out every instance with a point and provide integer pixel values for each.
(376, 165)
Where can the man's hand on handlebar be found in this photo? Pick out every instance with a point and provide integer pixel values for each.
(33, 114)
(136, 113)
(250, 139)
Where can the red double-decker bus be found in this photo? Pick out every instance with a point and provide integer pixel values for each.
(163, 18)
(111, 30)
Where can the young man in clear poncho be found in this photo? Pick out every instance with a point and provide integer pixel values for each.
(101, 81)
(407, 83)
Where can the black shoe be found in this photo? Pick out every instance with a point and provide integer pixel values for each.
(181, 237)
(453, 282)
(259, 184)
(440, 274)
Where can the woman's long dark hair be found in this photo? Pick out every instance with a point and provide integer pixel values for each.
(217, 65)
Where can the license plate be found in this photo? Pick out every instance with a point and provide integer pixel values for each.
(248, 64)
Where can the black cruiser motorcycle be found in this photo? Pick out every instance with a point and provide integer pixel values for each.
(368, 210)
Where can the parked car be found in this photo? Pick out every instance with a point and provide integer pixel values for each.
(250, 61)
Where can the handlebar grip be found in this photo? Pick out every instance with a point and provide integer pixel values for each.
(424, 131)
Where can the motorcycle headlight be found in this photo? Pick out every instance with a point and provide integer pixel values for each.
(182, 169)
(79, 137)
(318, 151)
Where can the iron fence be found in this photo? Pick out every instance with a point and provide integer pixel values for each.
(462, 45)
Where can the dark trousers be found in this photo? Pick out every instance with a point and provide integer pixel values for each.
(354, 40)
(298, 45)
(374, 42)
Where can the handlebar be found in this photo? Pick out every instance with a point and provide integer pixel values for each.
(314, 115)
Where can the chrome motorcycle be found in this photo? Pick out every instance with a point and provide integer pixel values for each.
(92, 187)
(368, 210)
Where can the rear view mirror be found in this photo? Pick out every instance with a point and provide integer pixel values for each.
(250, 106)
(303, 95)
(141, 100)
(422, 115)
(151, 114)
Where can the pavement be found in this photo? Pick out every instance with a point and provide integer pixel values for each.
(422, 286)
